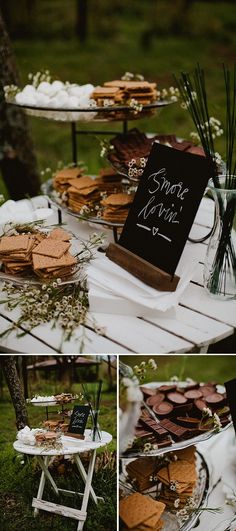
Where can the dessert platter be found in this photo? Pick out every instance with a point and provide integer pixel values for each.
(70, 102)
(103, 199)
(62, 398)
(176, 416)
(171, 491)
(164, 479)
(128, 152)
(39, 256)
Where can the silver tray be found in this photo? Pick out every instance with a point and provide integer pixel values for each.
(200, 495)
(116, 112)
(176, 445)
(47, 189)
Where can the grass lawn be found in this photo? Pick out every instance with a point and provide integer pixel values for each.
(116, 44)
(19, 475)
(200, 368)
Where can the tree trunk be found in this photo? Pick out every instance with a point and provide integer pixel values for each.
(17, 159)
(14, 385)
(82, 20)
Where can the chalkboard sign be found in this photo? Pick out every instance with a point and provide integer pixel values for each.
(78, 420)
(231, 396)
(165, 205)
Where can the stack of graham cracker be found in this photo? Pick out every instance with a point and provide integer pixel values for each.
(140, 471)
(178, 478)
(16, 252)
(117, 207)
(120, 91)
(61, 180)
(46, 256)
(141, 513)
(82, 192)
(109, 181)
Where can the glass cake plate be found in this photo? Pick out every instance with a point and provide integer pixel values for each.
(47, 189)
(93, 113)
(200, 494)
(175, 445)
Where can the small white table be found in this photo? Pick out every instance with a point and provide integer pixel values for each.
(195, 323)
(70, 446)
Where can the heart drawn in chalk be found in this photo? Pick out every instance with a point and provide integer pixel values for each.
(155, 230)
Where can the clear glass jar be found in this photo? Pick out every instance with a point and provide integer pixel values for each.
(220, 264)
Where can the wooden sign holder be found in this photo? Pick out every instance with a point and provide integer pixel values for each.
(140, 268)
(75, 435)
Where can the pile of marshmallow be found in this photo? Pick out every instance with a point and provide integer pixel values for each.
(27, 435)
(57, 95)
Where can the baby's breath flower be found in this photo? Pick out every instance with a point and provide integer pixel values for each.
(207, 412)
(147, 447)
(217, 422)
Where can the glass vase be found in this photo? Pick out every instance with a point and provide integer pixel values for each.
(220, 263)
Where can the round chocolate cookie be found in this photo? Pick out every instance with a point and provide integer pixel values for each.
(163, 409)
(167, 388)
(207, 390)
(176, 398)
(215, 400)
(199, 405)
(193, 394)
(155, 400)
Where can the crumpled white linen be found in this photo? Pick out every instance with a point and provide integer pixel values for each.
(112, 279)
(22, 212)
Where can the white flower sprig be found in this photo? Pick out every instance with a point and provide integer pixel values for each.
(169, 94)
(141, 369)
(106, 146)
(40, 76)
(10, 91)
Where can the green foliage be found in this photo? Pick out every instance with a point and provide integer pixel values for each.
(202, 368)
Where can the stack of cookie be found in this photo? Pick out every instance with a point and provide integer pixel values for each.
(16, 252)
(61, 180)
(82, 193)
(51, 258)
(55, 426)
(117, 207)
(120, 91)
(109, 181)
(141, 472)
(178, 479)
(141, 513)
(46, 256)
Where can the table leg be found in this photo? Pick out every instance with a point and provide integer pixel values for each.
(83, 474)
(87, 490)
(41, 487)
(44, 465)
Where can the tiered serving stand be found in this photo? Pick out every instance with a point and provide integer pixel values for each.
(106, 114)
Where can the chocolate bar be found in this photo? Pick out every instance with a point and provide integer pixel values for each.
(177, 432)
(159, 431)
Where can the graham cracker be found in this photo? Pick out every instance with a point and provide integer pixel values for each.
(136, 509)
(46, 262)
(10, 244)
(59, 234)
(52, 248)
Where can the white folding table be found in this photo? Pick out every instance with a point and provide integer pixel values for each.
(195, 323)
(70, 446)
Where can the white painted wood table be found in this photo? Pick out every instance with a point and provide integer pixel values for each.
(70, 446)
(196, 322)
